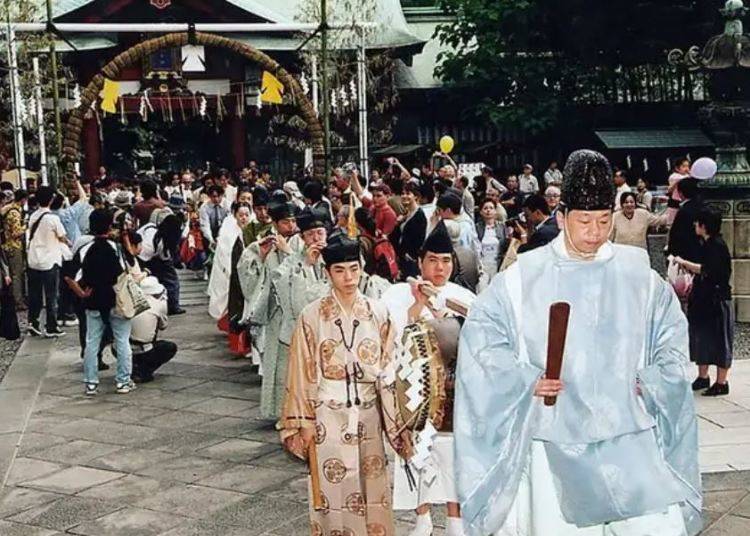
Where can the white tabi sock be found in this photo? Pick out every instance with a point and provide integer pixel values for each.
(423, 526)
(454, 527)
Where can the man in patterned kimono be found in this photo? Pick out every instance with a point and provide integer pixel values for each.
(298, 281)
(617, 454)
(407, 303)
(340, 399)
(255, 268)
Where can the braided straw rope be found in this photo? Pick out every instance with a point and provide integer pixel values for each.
(72, 139)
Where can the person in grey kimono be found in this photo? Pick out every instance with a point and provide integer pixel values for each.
(617, 455)
(258, 261)
(299, 280)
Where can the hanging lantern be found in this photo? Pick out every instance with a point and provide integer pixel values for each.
(629, 161)
(645, 164)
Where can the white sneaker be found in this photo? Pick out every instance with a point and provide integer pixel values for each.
(71, 323)
(423, 527)
(125, 388)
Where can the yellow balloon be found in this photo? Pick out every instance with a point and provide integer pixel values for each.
(447, 144)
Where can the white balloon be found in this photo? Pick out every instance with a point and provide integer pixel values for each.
(703, 169)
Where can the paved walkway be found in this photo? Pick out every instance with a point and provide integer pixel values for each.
(188, 456)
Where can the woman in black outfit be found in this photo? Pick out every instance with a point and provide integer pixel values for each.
(408, 236)
(710, 312)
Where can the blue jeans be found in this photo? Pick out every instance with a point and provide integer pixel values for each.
(95, 326)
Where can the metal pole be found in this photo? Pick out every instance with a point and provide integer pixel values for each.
(40, 122)
(364, 157)
(55, 85)
(15, 91)
(324, 85)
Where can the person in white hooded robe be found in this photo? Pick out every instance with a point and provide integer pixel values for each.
(617, 454)
(434, 480)
(221, 270)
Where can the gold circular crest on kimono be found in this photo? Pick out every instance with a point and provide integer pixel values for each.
(334, 470)
(355, 504)
(368, 351)
(350, 439)
(320, 433)
(329, 309)
(345, 532)
(373, 466)
(385, 328)
(385, 500)
(376, 529)
(324, 504)
(362, 310)
(327, 349)
(316, 529)
(334, 372)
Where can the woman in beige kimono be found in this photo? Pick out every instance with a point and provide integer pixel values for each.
(340, 398)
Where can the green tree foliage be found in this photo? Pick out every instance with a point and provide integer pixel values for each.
(28, 46)
(529, 63)
(288, 129)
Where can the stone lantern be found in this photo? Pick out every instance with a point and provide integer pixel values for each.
(727, 117)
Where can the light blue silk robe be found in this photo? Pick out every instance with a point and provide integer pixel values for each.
(613, 454)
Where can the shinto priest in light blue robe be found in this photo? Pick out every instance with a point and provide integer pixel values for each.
(604, 460)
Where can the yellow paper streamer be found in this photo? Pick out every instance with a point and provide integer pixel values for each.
(271, 90)
(109, 94)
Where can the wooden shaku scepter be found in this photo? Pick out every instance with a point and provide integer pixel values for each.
(559, 313)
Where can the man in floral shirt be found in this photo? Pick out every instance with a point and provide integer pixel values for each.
(13, 232)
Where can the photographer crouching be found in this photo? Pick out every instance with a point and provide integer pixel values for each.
(149, 353)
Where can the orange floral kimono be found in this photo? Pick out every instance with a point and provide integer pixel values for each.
(341, 381)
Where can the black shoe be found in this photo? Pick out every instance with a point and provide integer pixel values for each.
(102, 366)
(717, 389)
(137, 378)
(33, 329)
(701, 383)
(179, 311)
(54, 332)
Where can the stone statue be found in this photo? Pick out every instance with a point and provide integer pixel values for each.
(732, 48)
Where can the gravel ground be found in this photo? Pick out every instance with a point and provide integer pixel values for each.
(742, 341)
(8, 349)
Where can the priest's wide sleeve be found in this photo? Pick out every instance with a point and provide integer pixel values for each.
(298, 410)
(493, 416)
(667, 393)
(393, 423)
(255, 283)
